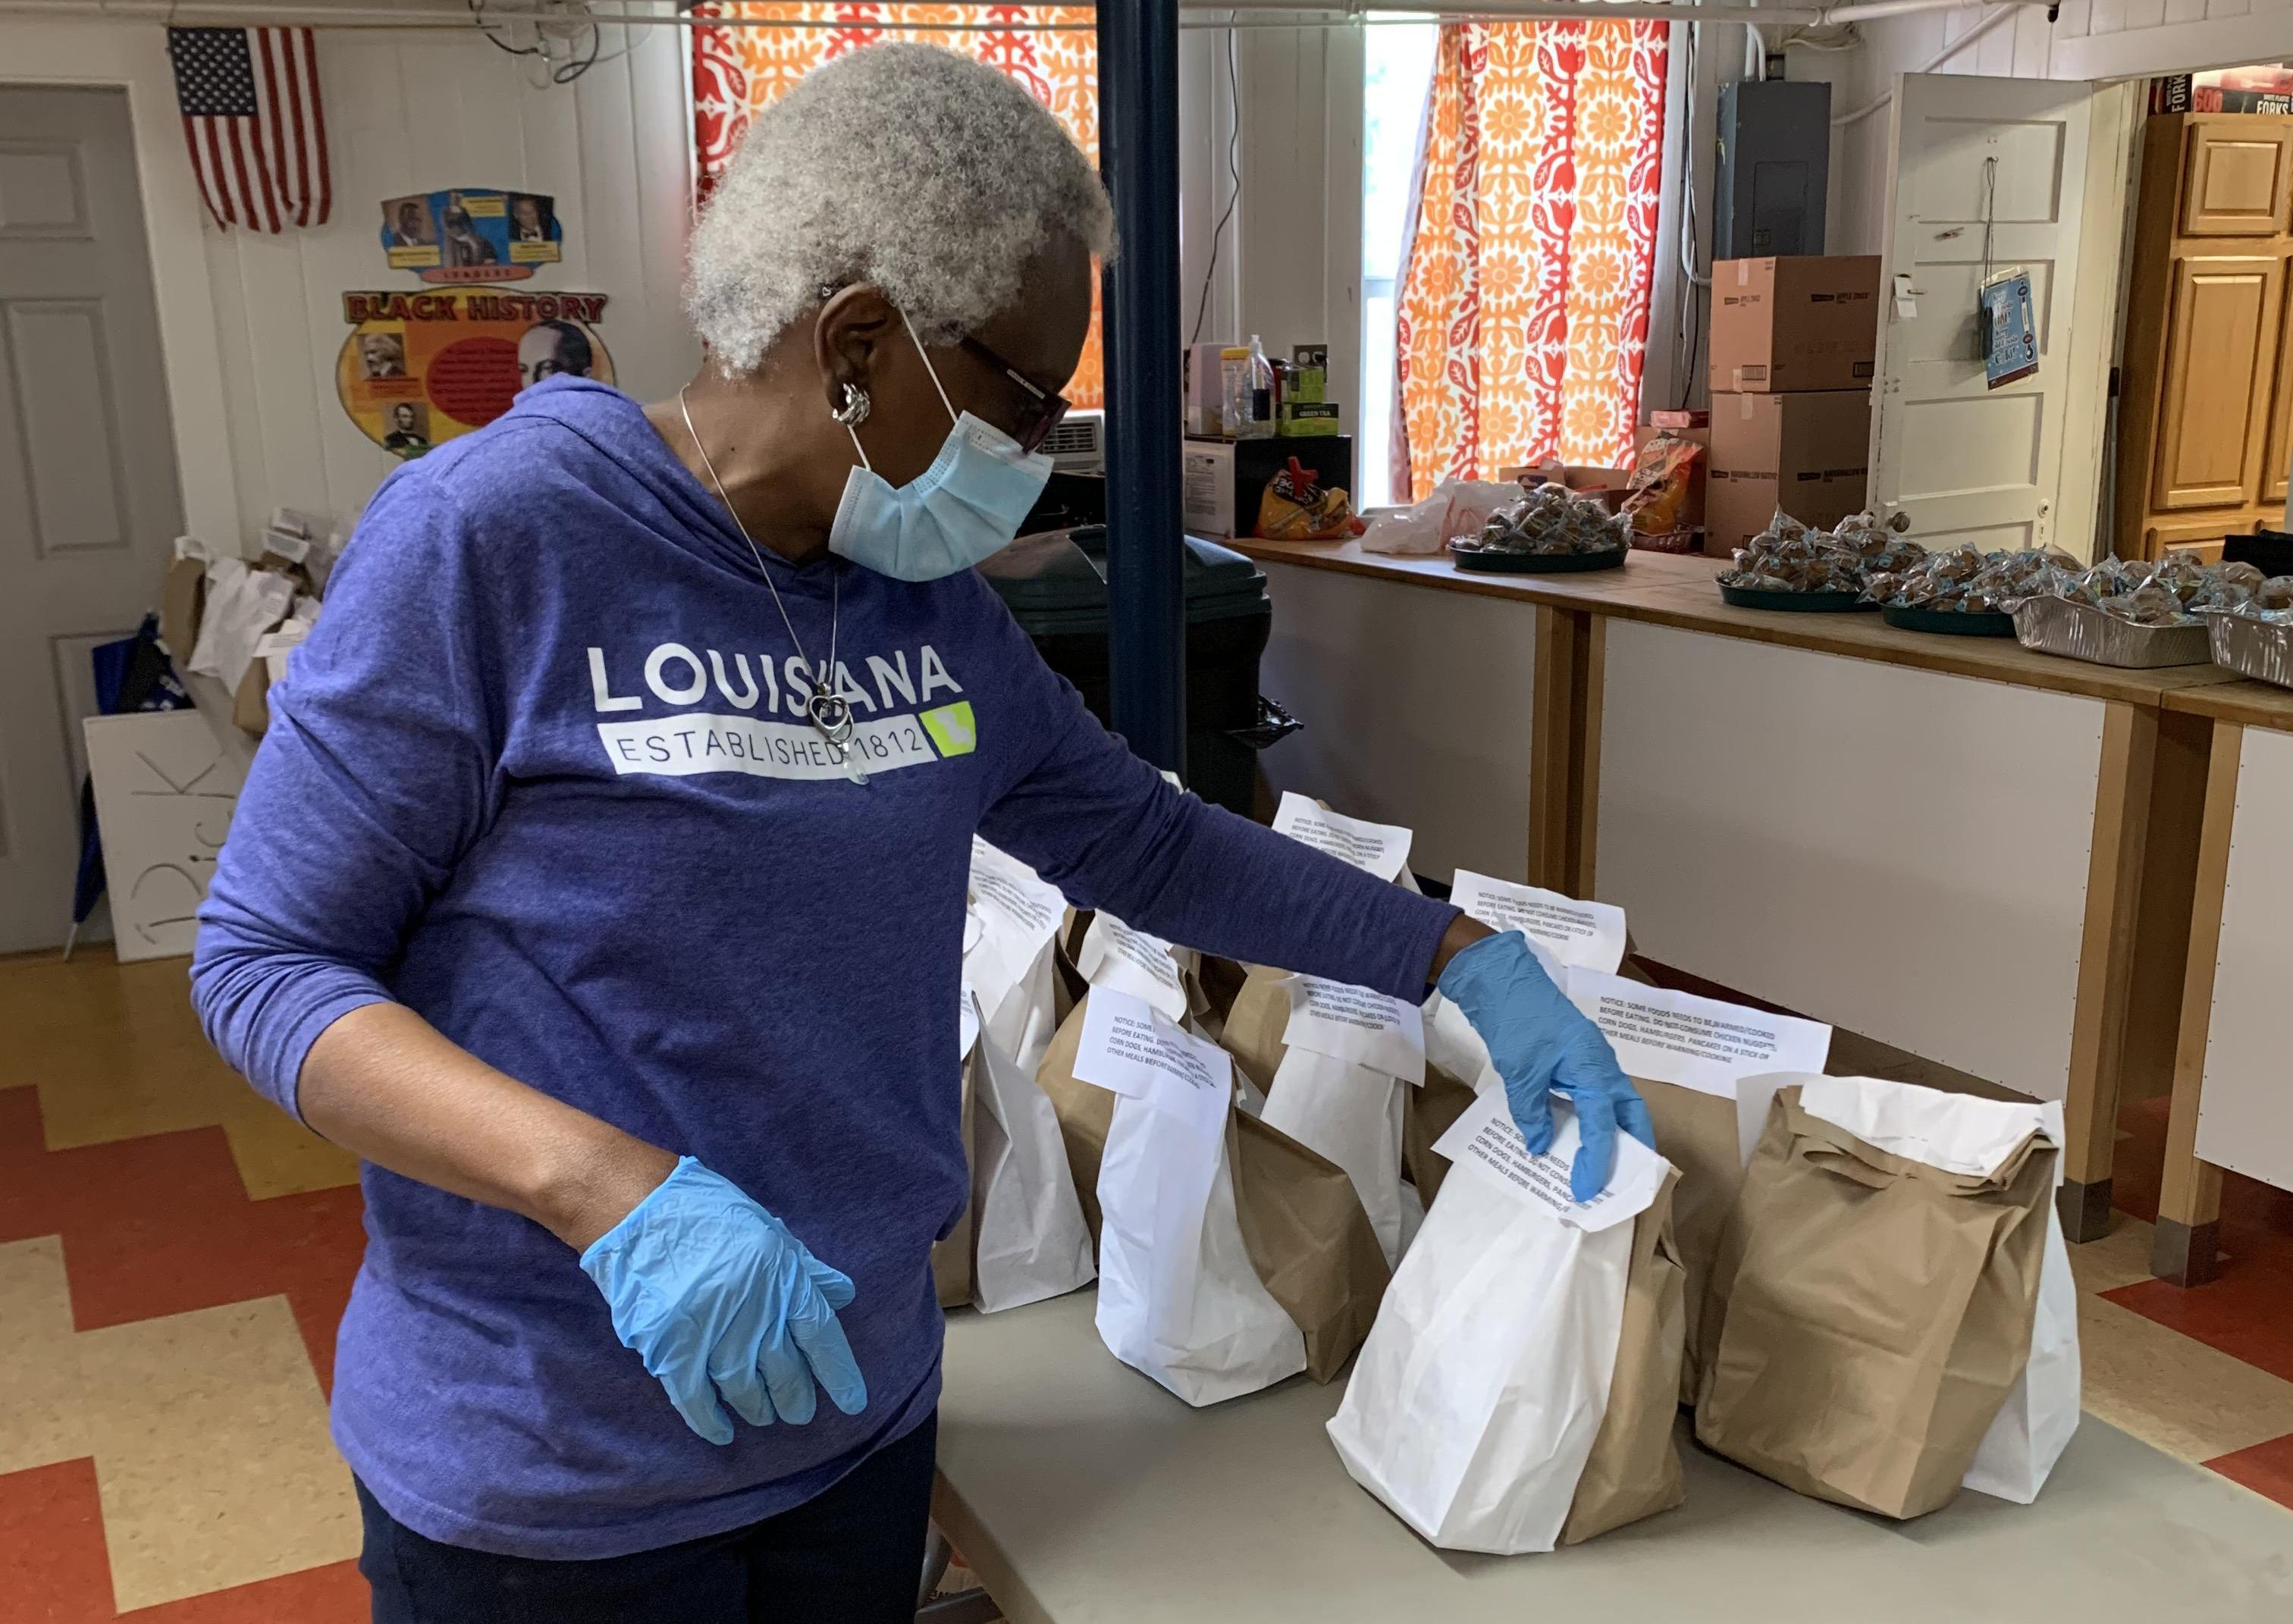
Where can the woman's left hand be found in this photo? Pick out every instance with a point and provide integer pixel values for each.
(1543, 1045)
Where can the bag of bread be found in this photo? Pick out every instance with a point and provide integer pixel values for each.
(1205, 1218)
(1706, 1070)
(1519, 1388)
(1873, 1297)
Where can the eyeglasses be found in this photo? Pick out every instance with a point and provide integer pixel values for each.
(1042, 413)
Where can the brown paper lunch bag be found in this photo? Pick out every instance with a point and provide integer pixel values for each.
(1309, 1241)
(1868, 1314)
(1696, 1133)
(951, 1258)
(1634, 1471)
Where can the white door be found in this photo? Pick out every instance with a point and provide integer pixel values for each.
(1952, 459)
(89, 504)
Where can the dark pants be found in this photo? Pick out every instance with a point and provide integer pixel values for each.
(853, 1556)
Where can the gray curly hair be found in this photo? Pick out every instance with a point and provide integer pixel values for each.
(930, 174)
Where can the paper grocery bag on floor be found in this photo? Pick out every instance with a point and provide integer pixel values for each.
(1478, 1401)
(1180, 1297)
(1870, 1312)
(1708, 1069)
(2035, 1424)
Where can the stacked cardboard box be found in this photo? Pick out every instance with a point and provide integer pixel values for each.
(1792, 343)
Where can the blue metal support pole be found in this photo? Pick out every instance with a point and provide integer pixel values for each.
(1146, 583)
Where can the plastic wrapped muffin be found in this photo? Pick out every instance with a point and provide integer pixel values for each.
(2176, 590)
(1789, 557)
(1553, 519)
(1965, 579)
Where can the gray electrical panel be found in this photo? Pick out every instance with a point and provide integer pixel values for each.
(1775, 163)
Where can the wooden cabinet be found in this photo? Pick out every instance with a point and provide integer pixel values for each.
(2238, 171)
(2221, 349)
(2205, 414)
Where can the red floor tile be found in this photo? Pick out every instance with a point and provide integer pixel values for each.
(2266, 1468)
(2247, 1313)
(161, 1225)
(52, 1566)
(53, 1569)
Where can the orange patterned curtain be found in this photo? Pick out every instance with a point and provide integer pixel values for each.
(736, 70)
(1524, 308)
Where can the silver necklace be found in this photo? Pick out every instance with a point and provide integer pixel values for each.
(829, 711)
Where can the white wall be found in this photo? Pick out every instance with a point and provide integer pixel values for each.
(252, 324)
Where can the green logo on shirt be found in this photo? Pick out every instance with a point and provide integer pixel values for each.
(951, 729)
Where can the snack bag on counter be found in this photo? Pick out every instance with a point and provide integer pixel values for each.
(1295, 508)
(1518, 1389)
(1888, 1250)
(1707, 1071)
(1656, 497)
(1230, 1257)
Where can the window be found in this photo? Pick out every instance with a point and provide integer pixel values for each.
(1520, 271)
(736, 70)
(1399, 72)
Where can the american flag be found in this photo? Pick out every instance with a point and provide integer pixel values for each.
(249, 99)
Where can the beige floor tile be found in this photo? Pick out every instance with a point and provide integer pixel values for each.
(211, 1450)
(2120, 1258)
(278, 1156)
(2172, 1391)
(43, 1416)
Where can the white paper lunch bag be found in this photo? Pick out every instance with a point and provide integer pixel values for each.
(1476, 1401)
(1029, 1242)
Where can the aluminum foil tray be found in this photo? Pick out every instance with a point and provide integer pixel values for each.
(2079, 631)
(2253, 648)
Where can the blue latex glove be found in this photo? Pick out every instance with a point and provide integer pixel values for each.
(1543, 1045)
(706, 1287)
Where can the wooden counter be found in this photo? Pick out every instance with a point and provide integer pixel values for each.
(2232, 1106)
(1988, 862)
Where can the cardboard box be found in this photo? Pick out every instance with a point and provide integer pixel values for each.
(1224, 479)
(1794, 324)
(1806, 454)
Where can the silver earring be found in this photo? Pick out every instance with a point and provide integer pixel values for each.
(856, 405)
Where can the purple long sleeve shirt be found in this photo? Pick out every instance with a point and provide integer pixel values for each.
(539, 777)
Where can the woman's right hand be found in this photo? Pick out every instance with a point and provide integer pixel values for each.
(709, 1289)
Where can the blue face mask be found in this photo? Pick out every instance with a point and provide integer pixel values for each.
(966, 506)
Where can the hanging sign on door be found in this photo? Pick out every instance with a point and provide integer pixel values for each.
(419, 368)
(2010, 333)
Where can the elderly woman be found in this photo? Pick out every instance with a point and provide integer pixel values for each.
(601, 883)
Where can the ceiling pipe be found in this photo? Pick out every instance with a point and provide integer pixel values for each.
(1265, 13)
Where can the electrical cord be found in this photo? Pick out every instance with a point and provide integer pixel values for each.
(1234, 191)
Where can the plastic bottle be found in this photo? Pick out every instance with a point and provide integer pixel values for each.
(1258, 422)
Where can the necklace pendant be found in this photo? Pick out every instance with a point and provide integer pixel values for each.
(831, 714)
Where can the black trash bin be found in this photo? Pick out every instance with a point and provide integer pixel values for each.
(1054, 585)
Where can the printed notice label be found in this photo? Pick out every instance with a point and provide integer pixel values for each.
(1697, 1043)
(1115, 957)
(681, 746)
(1129, 1049)
(1484, 1144)
(1369, 1028)
(1587, 933)
(1378, 848)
